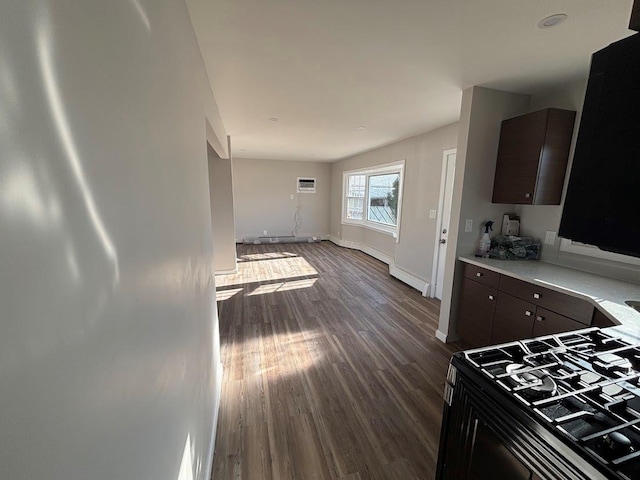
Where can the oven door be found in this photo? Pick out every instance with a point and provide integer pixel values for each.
(490, 458)
(485, 436)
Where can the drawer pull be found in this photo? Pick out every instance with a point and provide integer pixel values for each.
(528, 313)
(490, 297)
(540, 318)
(536, 296)
(478, 274)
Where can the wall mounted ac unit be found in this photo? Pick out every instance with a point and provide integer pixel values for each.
(306, 185)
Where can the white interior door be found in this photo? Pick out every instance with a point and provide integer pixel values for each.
(444, 216)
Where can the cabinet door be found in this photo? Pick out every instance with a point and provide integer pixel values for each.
(532, 157)
(513, 319)
(519, 150)
(548, 323)
(475, 313)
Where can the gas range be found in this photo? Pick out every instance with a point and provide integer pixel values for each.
(583, 386)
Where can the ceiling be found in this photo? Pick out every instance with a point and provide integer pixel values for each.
(322, 68)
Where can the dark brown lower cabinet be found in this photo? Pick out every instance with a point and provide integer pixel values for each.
(475, 313)
(513, 319)
(496, 308)
(547, 323)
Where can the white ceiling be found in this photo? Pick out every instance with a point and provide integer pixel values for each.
(325, 67)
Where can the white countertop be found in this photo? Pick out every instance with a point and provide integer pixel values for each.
(606, 294)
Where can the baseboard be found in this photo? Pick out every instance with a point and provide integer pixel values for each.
(344, 243)
(441, 336)
(377, 254)
(216, 410)
(421, 285)
(408, 278)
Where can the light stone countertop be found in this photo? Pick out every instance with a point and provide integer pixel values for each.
(606, 294)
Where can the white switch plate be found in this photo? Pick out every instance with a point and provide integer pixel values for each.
(550, 238)
(468, 225)
(432, 214)
(291, 197)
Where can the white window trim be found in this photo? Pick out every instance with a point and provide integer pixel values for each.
(569, 246)
(394, 167)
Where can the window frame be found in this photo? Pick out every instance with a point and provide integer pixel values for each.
(389, 168)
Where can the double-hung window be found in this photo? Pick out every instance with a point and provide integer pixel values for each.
(373, 197)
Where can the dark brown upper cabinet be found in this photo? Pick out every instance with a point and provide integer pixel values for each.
(532, 157)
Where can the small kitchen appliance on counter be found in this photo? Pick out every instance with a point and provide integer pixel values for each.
(563, 406)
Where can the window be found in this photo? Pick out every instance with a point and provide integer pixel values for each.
(372, 197)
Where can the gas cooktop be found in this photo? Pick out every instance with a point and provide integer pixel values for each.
(582, 385)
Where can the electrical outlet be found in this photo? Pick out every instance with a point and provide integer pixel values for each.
(432, 214)
(468, 225)
(264, 232)
(550, 238)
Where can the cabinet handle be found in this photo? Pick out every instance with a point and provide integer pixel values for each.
(528, 313)
(490, 297)
(478, 274)
(536, 296)
(540, 318)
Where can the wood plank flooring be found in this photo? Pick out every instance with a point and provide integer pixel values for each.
(331, 368)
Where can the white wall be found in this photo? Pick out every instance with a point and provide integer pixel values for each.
(222, 216)
(481, 118)
(109, 349)
(262, 192)
(413, 253)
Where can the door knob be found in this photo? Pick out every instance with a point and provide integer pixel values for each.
(443, 241)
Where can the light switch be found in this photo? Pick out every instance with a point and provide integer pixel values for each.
(291, 197)
(432, 214)
(468, 225)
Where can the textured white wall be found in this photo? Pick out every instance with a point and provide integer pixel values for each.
(109, 355)
(222, 215)
(262, 196)
(423, 166)
(481, 118)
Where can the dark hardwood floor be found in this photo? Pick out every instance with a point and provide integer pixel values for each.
(331, 368)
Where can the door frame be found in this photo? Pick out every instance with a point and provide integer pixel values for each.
(436, 248)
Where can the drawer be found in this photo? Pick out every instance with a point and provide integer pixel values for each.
(513, 319)
(547, 323)
(481, 275)
(566, 305)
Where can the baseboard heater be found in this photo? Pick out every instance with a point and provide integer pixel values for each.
(283, 239)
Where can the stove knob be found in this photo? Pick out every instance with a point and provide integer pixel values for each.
(617, 442)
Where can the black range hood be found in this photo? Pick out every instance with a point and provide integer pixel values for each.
(602, 205)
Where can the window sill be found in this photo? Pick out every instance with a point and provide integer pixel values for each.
(593, 252)
(389, 231)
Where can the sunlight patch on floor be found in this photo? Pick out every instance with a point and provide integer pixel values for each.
(222, 295)
(283, 286)
(252, 257)
(276, 269)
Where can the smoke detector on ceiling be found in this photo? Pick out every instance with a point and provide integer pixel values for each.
(552, 20)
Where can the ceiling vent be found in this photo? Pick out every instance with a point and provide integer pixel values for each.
(306, 185)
